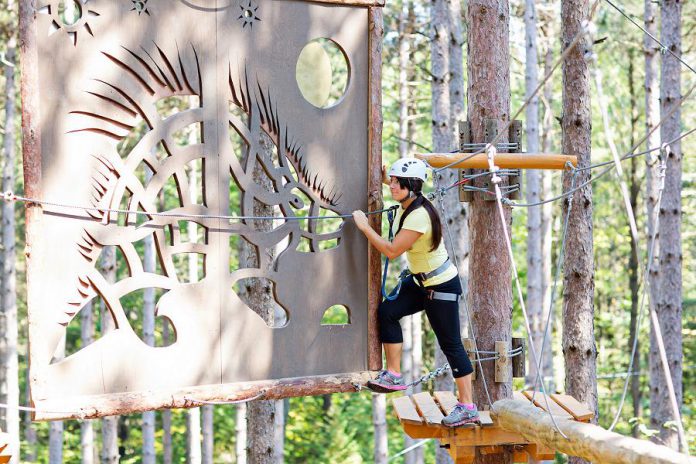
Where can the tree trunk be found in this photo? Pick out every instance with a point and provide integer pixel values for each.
(208, 434)
(535, 295)
(149, 257)
(55, 428)
(669, 293)
(166, 414)
(547, 222)
(193, 436)
(490, 295)
(442, 137)
(579, 348)
(109, 453)
(260, 414)
(9, 388)
(379, 419)
(652, 169)
(87, 426)
(30, 436)
(633, 262)
(240, 434)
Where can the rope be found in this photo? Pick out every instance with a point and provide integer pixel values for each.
(409, 449)
(557, 276)
(648, 264)
(81, 414)
(10, 196)
(495, 180)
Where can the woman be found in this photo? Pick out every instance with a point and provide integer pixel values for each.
(433, 285)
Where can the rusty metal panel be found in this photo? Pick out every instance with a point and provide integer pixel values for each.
(134, 95)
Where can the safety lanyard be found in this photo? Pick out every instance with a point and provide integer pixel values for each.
(395, 292)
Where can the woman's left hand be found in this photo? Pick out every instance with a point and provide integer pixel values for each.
(360, 219)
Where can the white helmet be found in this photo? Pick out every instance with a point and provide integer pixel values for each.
(409, 167)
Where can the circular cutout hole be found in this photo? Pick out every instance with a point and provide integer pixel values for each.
(69, 12)
(322, 73)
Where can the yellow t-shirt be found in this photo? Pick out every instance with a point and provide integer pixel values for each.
(419, 257)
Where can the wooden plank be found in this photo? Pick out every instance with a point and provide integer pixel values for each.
(518, 361)
(541, 401)
(485, 436)
(502, 160)
(462, 454)
(579, 411)
(428, 409)
(486, 420)
(519, 396)
(446, 400)
(424, 431)
(406, 411)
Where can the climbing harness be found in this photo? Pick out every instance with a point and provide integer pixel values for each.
(419, 276)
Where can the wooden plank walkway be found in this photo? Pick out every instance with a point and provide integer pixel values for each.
(421, 416)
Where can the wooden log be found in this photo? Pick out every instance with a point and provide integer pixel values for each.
(502, 160)
(368, 3)
(90, 407)
(587, 441)
(374, 184)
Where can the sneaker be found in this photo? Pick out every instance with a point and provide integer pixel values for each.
(386, 382)
(461, 415)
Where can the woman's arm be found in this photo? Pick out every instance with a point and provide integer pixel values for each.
(402, 242)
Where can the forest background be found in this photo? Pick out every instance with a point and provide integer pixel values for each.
(342, 428)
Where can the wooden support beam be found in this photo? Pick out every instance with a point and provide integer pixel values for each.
(518, 361)
(587, 441)
(503, 367)
(502, 160)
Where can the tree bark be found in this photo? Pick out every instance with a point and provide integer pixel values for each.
(149, 257)
(379, 419)
(193, 436)
(535, 278)
(109, 453)
(261, 414)
(55, 428)
(240, 434)
(490, 295)
(208, 434)
(633, 262)
(579, 348)
(652, 167)
(441, 136)
(30, 436)
(87, 426)
(9, 388)
(669, 293)
(547, 220)
(166, 415)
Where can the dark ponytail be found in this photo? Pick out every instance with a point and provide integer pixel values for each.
(416, 186)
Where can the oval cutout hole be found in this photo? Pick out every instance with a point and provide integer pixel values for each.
(336, 315)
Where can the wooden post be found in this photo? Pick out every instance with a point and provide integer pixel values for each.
(464, 138)
(587, 441)
(518, 364)
(31, 151)
(515, 135)
(374, 184)
(469, 347)
(503, 367)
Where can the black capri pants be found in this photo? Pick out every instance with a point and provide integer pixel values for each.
(443, 317)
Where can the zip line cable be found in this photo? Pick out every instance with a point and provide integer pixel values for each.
(648, 266)
(663, 48)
